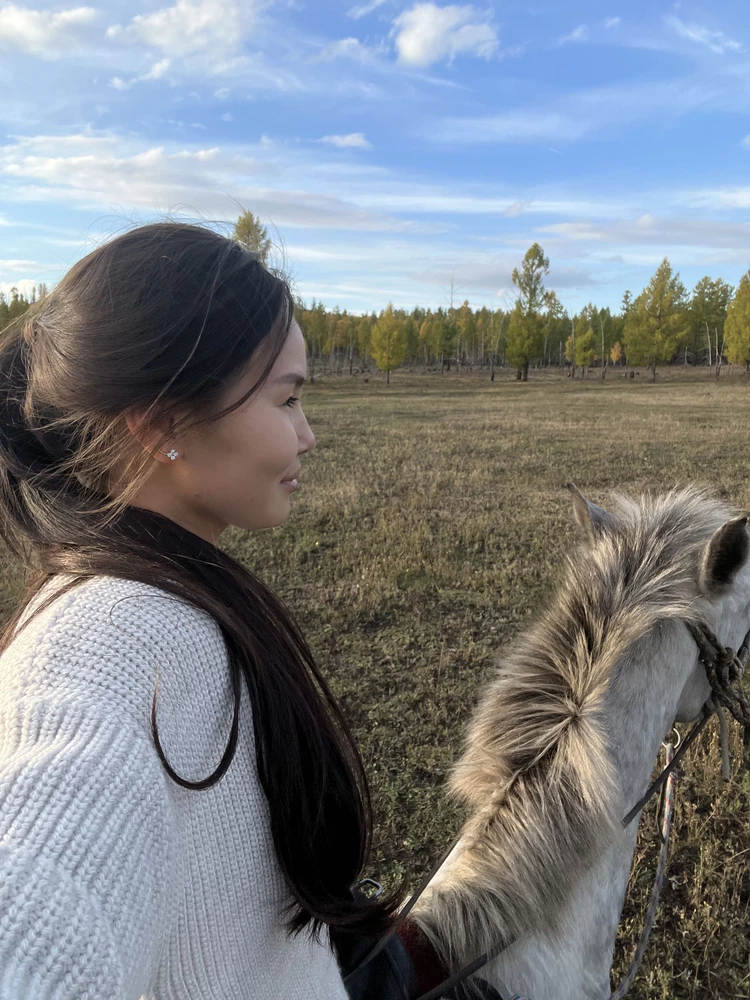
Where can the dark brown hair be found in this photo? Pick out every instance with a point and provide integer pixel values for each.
(167, 317)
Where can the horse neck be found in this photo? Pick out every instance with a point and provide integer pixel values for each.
(572, 961)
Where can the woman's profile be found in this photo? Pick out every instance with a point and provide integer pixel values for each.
(183, 809)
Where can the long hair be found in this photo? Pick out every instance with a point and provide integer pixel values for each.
(168, 316)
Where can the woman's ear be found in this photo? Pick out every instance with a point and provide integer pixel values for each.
(724, 556)
(147, 436)
(593, 520)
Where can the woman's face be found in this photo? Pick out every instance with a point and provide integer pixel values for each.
(231, 471)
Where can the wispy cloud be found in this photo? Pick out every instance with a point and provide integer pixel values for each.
(650, 230)
(422, 199)
(91, 170)
(45, 33)
(353, 139)
(363, 9)
(347, 48)
(426, 34)
(579, 34)
(716, 41)
(156, 72)
(188, 27)
(17, 265)
(612, 22)
(516, 126)
(716, 198)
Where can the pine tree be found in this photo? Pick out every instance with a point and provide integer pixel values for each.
(658, 320)
(737, 326)
(388, 342)
(525, 330)
(252, 235)
(585, 348)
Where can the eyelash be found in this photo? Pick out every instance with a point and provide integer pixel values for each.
(291, 401)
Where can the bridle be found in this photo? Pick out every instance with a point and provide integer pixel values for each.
(724, 668)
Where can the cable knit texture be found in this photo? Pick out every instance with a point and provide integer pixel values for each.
(115, 882)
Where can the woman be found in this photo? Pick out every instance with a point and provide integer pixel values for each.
(148, 403)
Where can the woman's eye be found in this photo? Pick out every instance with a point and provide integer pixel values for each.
(291, 401)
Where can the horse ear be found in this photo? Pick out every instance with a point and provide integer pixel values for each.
(724, 555)
(590, 517)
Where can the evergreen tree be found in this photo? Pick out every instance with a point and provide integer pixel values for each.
(523, 340)
(585, 349)
(525, 330)
(658, 319)
(388, 342)
(252, 234)
(737, 327)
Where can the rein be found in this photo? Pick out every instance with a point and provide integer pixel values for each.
(724, 667)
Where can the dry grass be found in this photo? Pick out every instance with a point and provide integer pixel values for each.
(428, 531)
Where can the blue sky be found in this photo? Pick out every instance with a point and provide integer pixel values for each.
(391, 147)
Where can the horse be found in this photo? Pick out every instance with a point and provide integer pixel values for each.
(564, 739)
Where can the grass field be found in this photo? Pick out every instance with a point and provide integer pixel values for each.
(428, 531)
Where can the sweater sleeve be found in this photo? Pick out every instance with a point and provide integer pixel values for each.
(86, 851)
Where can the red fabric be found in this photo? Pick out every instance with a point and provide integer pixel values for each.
(428, 966)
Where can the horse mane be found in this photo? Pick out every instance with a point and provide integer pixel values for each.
(536, 768)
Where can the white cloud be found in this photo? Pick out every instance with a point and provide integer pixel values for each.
(348, 48)
(227, 116)
(717, 41)
(612, 22)
(355, 139)
(157, 71)
(45, 33)
(579, 34)
(515, 209)
(515, 126)
(422, 199)
(651, 230)
(426, 33)
(363, 9)
(17, 265)
(92, 169)
(716, 198)
(187, 28)
(222, 93)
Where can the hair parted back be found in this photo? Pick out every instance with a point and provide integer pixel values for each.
(164, 319)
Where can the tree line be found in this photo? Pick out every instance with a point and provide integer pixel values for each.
(663, 324)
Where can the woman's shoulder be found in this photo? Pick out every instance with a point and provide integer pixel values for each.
(112, 639)
(95, 596)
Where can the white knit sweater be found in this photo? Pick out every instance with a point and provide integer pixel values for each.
(115, 882)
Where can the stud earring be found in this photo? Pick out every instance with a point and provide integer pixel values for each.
(172, 454)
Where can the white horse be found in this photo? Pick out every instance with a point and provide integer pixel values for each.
(564, 742)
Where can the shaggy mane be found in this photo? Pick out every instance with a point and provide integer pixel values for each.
(537, 767)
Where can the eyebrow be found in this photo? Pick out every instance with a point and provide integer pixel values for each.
(292, 377)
